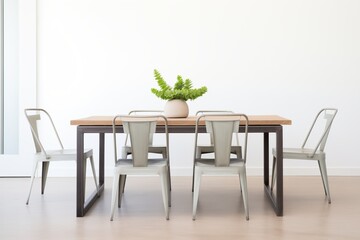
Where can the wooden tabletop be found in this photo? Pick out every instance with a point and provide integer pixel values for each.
(189, 121)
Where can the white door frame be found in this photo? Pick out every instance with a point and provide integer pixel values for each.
(20, 164)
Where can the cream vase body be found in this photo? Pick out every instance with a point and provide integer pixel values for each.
(176, 109)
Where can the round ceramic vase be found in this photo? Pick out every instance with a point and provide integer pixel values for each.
(176, 109)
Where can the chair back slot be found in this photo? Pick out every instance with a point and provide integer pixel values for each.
(221, 132)
(140, 135)
(34, 127)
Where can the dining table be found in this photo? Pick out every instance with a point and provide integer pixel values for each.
(101, 125)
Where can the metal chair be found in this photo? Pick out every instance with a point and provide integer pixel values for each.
(45, 156)
(209, 149)
(126, 149)
(221, 128)
(140, 129)
(316, 152)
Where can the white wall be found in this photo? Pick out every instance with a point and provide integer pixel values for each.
(289, 58)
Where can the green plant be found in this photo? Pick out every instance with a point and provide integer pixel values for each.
(182, 89)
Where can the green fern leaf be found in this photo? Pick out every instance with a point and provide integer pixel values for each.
(182, 89)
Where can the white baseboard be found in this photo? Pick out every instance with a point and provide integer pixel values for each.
(315, 171)
(251, 171)
(287, 171)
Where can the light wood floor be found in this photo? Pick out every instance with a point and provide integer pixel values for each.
(307, 215)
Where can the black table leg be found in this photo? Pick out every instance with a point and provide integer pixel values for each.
(80, 179)
(101, 159)
(266, 158)
(81, 206)
(277, 199)
(279, 171)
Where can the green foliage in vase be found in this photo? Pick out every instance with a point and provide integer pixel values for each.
(182, 89)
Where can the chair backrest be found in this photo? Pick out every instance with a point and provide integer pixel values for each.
(202, 112)
(139, 129)
(221, 127)
(328, 115)
(34, 115)
(144, 113)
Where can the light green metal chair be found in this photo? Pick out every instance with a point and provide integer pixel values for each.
(140, 130)
(316, 152)
(35, 116)
(221, 128)
(154, 149)
(209, 148)
(126, 149)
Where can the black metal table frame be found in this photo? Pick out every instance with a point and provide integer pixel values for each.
(83, 206)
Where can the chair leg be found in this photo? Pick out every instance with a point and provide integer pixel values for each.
(94, 174)
(44, 173)
(124, 155)
(322, 177)
(169, 184)
(114, 197)
(123, 181)
(197, 180)
(32, 181)
(169, 177)
(198, 155)
(323, 171)
(165, 190)
(243, 183)
(193, 177)
(273, 175)
(168, 165)
(121, 187)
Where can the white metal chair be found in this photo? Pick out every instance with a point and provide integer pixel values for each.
(154, 149)
(126, 149)
(208, 149)
(222, 127)
(316, 152)
(45, 156)
(140, 130)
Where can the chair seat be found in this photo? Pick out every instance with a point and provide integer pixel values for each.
(62, 155)
(152, 163)
(152, 149)
(125, 166)
(126, 150)
(300, 153)
(210, 149)
(208, 167)
(234, 162)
